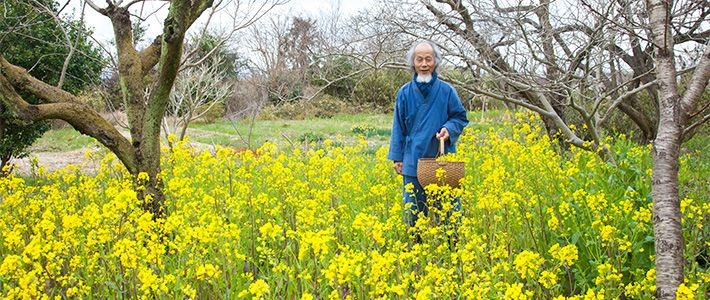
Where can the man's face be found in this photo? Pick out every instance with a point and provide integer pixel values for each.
(423, 59)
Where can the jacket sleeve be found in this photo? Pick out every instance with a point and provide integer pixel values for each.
(457, 118)
(397, 138)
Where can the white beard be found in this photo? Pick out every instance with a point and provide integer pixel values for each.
(424, 78)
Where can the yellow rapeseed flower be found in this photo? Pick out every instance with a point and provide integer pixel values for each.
(13, 238)
(553, 222)
(594, 295)
(207, 272)
(515, 292)
(567, 254)
(306, 296)
(9, 265)
(149, 280)
(271, 231)
(547, 279)
(686, 292)
(596, 202)
(607, 233)
(424, 294)
(607, 274)
(258, 288)
(318, 242)
(566, 209)
(527, 263)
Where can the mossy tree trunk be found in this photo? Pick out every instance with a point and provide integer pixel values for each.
(140, 153)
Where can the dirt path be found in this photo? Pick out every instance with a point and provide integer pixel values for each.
(54, 161)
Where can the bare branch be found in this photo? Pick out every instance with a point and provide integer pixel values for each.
(63, 106)
(252, 12)
(96, 7)
(693, 127)
(698, 83)
(197, 90)
(65, 34)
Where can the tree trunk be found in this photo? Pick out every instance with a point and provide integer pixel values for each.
(554, 132)
(667, 225)
(648, 130)
(666, 207)
(552, 74)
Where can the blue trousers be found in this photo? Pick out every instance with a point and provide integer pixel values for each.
(416, 202)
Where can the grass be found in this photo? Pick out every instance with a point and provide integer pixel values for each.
(236, 134)
(344, 128)
(284, 132)
(341, 128)
(60, 140)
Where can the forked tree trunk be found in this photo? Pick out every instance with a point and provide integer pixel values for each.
(140, 155)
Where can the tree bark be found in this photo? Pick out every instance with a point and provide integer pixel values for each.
(674, 112)
(666, 207)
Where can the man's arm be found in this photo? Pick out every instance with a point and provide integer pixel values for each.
(396, 151)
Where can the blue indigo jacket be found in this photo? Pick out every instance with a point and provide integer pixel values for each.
(417, 119)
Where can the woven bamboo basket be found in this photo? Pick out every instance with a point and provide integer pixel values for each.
(453, 171)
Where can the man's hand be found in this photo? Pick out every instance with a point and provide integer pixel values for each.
(398, 167)
(443, 134)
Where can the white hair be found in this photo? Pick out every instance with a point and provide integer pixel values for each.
(437, 53)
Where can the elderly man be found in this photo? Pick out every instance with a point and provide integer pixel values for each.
(426, 109)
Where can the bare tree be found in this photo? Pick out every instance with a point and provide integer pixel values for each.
(247, 101)
(360, 58)
(512, 46)
(197, 90)
(567, 64)
(331, 51)
(141, 153)
(284, 48)
(675, 108)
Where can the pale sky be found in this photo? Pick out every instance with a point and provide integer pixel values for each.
(104, 33)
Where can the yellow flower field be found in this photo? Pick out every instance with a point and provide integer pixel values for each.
(326, 222)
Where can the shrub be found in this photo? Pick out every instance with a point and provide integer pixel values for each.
(311, 137)
(364, 130)
(325, 106)
(322, 106)
(213, 113)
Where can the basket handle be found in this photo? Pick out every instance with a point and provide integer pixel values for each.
(441, 147)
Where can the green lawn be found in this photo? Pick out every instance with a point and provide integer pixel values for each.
(340, 128)
(60, 140)
(283, 132)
